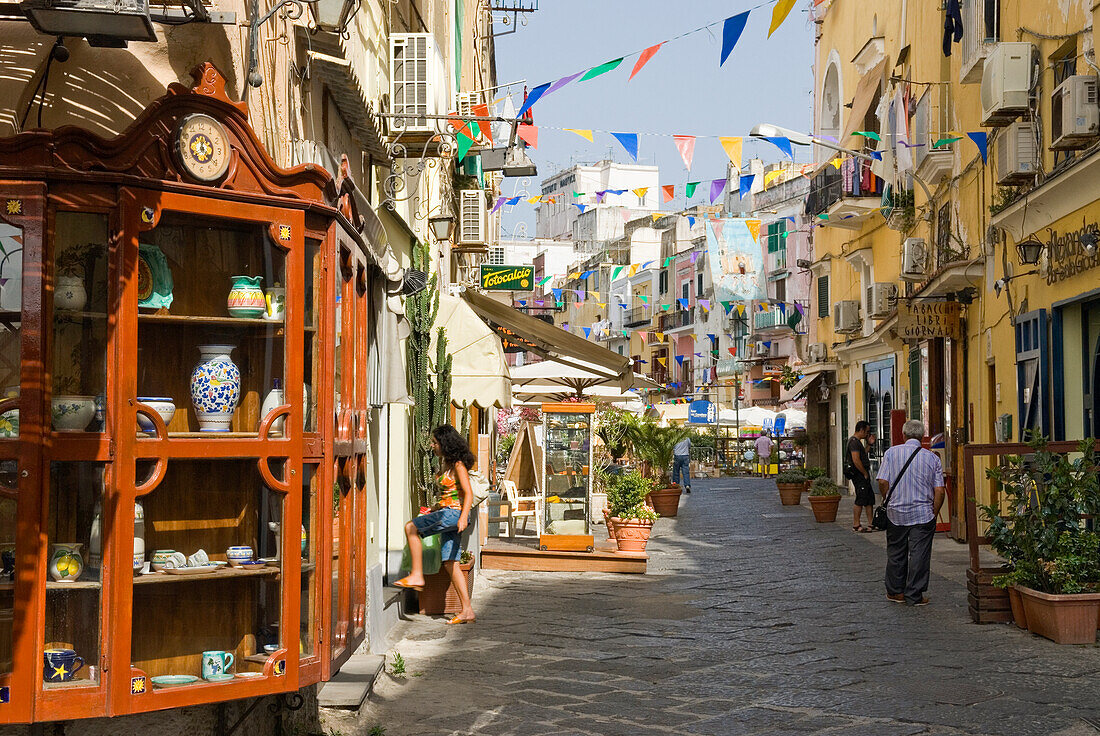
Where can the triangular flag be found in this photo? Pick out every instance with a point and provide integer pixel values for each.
(657, 216)
(534, 200)
(717, 226)
(668, 191)
(483, 126)
(680, 359)
(663, 361)
(876, 155)
(666, 307)
(581, 207)
(601, 305)
(733, 351)
(691, 221)
(642, 334)
(633, 269)
(746, 184)
(754, 229)
(716, 187)
(667, 261)
(644, 298)
(783, 144)
(499, 204)
(779, 14)
(629, 141)
(464, 144)
(578, 194)
(732, 28)
(689, 189)
(741, 310)
(685, 144)
(514, 201)
(837, 163)
(981, 140)
(600, 195)
(771, 176)
(683, 303)
(601, 69)
(868, 134)
(587, 331)
(529, 134)
(640, 192)
(545, 281)
(616, 272)
(660, 336)
(557, 294)
(586, 134)
(705, 304)
(523, 302)
(561, 83)
(533, 97)
(946, 141)
(643, 58)
(732, 147)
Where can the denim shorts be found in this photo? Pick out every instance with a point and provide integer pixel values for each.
(444, 523)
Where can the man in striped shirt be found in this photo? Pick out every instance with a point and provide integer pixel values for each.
(912, 509)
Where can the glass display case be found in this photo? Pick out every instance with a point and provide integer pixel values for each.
(566, 503)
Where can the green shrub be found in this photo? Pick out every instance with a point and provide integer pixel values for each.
(791, 476)
(814, 472)
(626, 496)
(823, 487)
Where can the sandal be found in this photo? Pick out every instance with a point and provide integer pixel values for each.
(403, 583)
(865, 530)
(460, 620)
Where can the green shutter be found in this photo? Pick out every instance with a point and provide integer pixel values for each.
(822, 297)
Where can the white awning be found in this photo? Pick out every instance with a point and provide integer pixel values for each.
(799, 388)
(479, 371)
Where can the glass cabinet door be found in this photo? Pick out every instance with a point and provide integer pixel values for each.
(568, 458)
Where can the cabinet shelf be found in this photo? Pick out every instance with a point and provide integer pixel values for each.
(71, 315)
(187, 319)
(223, 574)
(54, 585)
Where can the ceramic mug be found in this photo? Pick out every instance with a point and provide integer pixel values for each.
(60, 665)
(216, 662)
(237, 554)
(161, 558)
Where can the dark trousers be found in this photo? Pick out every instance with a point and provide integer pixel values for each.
(681, 470)
(908, 559)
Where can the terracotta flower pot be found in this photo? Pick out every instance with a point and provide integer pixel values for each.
(1065, 619)
(1017, 602)
(666, 501)
(825, 507)
(439, 597)
(790, 494)
(609, 524)
(632, 534)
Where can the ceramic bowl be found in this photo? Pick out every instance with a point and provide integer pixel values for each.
(72, 413)
(271, 648)
(238, 553)
(160, 557)
(166, 407)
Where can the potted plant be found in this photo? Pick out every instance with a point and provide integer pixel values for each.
(656, 446)
(813, 472)
(791, 484)
(1036, 527)
(630, 517)
(824, 499)
(439, 597)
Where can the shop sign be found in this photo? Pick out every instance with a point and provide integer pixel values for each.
(507, 278)
(919, 319)
(702, 412)
(773, 369)
(1068, 257)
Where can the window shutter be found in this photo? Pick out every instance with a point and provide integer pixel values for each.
(1032, 374)
(822, 297)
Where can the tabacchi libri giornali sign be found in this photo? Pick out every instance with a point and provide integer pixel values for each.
(507, 278)
(919, 319)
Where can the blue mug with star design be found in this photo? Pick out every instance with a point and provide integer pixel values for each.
(60, 665)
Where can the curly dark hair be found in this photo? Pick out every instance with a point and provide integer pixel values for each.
(453, 446)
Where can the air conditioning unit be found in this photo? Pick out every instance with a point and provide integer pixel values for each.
(417, 78)
(816, 352)
(1074, 113)
(1006, 83)
(471, 217)
(466, 102)
(883, 298)
(1016, 154)
(914, 260)
(846, 316)
(763, 350)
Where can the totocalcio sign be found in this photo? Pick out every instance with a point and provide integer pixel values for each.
(507, 278)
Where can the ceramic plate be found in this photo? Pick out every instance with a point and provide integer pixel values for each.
(174, 680)
(154, 278)
(219, 563)
(272, 561)
(191, 570)
(249, 675)
(219, 678)
(250, 565)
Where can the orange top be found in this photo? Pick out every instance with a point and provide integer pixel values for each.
(449, 499)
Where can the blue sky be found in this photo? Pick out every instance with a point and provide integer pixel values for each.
(682, 90)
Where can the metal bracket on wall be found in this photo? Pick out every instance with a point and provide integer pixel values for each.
(293, 10)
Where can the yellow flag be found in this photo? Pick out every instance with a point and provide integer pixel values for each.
(594, 294)
(779, 14)
(640, 191)
(732, 147)
(660, 336)
(532, 200)
(772, 176)
(754, 228)
(601, 305)
(633, 269)
(586, 134)
(657, 216)
(741, 310)
(575, 275)
(837, 163)
(662, 361)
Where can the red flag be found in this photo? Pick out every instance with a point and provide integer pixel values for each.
(482, 111)
(645, 57)
(529, 134)
(669, 191)
(733, 351)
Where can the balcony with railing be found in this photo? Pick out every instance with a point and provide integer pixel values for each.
(637, 317)
(773, 322)
(678, 320)
(845, 197)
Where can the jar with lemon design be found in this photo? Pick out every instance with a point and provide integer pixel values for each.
(66, 562)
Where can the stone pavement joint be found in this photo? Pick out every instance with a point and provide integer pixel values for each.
(753, 619)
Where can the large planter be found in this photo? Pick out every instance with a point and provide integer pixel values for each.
(665, 501)
(1016, 600)
(825, 507)
(439, 598)
(1065, 619)
(791, 493)
(215, 388)
(610, 525)
(632, 534)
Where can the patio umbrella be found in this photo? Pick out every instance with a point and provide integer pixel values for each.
(540, 392)
(575, 379)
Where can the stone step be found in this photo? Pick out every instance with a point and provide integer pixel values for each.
(349, 687)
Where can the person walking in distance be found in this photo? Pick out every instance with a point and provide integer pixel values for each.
(681, 463)
(857, 468)
(764, 453)
(910, 480)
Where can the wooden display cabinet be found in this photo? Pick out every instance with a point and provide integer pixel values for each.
(94, 237)
(565, 517)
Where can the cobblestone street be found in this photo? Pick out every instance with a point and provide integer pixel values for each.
(752, 619)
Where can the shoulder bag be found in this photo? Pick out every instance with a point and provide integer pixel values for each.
(880, 519)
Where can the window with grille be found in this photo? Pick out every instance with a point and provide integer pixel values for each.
(945, 246)
(822, 297)
(663, 281)
(776, 240)
(496, 256)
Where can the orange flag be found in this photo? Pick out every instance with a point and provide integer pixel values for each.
(529, 134)
(643, 59)
(669, 191)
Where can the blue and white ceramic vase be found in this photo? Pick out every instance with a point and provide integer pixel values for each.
(215, 388)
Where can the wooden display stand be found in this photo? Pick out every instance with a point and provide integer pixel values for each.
(571, 447)
(288, 482)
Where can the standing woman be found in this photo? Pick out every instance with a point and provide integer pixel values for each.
(448, 518)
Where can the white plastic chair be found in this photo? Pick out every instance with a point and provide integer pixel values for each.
(514, 500)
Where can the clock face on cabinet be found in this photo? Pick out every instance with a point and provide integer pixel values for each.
(203, 147)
